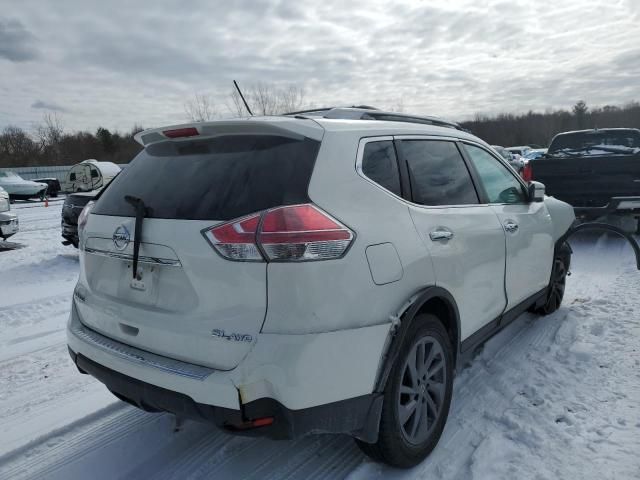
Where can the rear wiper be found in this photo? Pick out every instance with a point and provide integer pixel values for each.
(141, 212)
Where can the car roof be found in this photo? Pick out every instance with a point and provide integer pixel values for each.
(598, 130)
(315, 123)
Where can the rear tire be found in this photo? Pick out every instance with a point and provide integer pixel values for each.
(417, 396)
(555, 290)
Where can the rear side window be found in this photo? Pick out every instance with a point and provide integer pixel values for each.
(214, 179)
(379, 163)
(94, 173)
(438, 173)
(72, 177)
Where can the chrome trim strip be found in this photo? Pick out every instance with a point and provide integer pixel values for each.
(167, 262)
(138, 356)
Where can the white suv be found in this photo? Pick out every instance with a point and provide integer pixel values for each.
(325, 271)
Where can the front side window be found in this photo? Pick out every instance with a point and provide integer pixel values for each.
(379, 164)
(499, 183)
(438, 173)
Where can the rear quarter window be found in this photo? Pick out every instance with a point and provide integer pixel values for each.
(379, 164)
(214, 179)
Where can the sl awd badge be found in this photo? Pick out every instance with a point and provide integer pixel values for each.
(121, 237)
(234, 337)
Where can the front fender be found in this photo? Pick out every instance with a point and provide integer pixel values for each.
(562, 216)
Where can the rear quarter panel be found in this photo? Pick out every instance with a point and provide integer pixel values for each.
(314, 297)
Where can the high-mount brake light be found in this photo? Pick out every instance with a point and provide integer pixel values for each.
(181, 132)
(290, 233)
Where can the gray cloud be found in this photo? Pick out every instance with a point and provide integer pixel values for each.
(17, 44)
(39, 104)
(117, 63)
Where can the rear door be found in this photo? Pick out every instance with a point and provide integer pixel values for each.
(527, 225)
(464, 238)
(187, 301)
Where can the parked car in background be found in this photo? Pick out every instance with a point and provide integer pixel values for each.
(534, 153)
(19, 188)
(597, 171)
(8, 219)
(520, 151)
(53, 185)
(71, 209)
(89, 175)
(377, 290)
(514, 160)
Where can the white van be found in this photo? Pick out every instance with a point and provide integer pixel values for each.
(89, 175)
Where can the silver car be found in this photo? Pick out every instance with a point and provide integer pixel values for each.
(8, 219)
(326, 271)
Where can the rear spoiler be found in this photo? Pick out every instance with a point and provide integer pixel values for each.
(279, 126)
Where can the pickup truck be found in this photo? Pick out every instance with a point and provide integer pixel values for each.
(596, 171)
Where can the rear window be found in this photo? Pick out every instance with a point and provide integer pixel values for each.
(214, 179)
(585, 140)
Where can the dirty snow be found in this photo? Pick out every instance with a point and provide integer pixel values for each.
(555, 397)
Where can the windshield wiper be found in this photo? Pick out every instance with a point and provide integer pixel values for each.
(141, 212)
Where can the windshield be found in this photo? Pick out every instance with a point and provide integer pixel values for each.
(597, 142)
(9, 175)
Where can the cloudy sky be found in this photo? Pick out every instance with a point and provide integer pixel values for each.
(117, 63)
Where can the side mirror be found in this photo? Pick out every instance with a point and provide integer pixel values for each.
(536, 191)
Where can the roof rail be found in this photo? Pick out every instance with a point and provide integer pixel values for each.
(365, 112)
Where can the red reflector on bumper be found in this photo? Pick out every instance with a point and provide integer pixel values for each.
(262, 422)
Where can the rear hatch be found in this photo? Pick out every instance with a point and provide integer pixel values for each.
(589, 181)
(187, 301)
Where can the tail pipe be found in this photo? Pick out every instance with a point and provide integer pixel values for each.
(606, 228)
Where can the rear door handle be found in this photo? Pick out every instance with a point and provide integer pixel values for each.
(441, 234)
(510, 226)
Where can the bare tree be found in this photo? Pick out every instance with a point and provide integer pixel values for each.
(266, 99)
(200, 108)
(50, 132)
(236, 105)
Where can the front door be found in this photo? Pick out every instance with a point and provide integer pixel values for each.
(464, 239)
(527, 226)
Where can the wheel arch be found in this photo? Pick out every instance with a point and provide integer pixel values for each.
(435, 300)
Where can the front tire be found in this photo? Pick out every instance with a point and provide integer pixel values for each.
(417, 396)
(555, 290)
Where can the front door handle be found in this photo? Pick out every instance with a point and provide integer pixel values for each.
(510, 226)
(441, 234)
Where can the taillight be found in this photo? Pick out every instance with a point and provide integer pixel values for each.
(302, 232)
(236, 240)
(527, 172)
(291, 233)
(82, 220)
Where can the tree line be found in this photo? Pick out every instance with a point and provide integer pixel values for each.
(538, 129)
(52, 145)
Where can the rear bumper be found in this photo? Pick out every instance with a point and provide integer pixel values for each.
(349, 416)
(306, 383)
(617, 205)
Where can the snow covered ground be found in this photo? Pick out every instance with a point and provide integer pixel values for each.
(555, 397)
